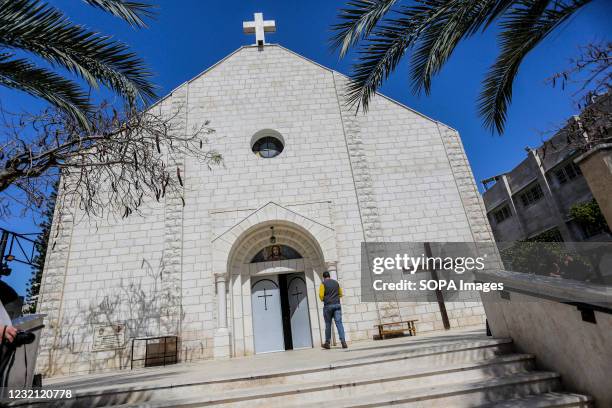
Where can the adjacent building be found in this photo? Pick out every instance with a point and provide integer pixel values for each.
(533, 200)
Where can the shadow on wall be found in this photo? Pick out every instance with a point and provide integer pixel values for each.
(137, 307)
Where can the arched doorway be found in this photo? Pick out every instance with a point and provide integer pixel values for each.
(279, 304)
(273, 281)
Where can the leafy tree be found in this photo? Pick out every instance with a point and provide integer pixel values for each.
(33, 28)
(552, 235)
(543, 256)
(589, 215)
(384, 31)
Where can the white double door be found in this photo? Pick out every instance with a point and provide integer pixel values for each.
(276, 299)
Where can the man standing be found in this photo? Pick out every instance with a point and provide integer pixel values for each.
(330, 293)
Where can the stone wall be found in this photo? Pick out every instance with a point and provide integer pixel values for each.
(535, 313)
(596, 165)
(249, 91)
(112, 273)
(425, 192)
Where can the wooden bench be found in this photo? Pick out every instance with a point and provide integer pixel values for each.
(397, 328)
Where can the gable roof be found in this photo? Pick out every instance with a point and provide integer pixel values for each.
(332, 71)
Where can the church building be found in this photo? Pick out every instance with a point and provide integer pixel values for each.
(235, 270)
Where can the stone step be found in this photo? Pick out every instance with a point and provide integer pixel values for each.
(361, 384)
(492, 392)
(421, 372)
(546, 400)
(390, 359)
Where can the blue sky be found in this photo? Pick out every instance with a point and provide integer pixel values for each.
(190, 35)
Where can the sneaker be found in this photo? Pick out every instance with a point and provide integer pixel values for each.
(325, 346)
(344, 344)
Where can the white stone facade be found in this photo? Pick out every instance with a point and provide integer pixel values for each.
(390, 175)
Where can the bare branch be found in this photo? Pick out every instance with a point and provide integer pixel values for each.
(591, 70)
(583, 132)
(123, 161)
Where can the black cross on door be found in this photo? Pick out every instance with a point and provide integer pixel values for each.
(297, 296)
(265, 298)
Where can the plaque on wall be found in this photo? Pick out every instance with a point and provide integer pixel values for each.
(109, 337)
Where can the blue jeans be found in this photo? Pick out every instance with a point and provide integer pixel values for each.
(333, 312)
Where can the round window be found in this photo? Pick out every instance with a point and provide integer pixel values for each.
(268, 147)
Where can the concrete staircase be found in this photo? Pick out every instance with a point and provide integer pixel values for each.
(448, 371)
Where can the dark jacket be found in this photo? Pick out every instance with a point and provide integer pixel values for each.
(330, 292)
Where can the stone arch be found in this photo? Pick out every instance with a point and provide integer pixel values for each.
(234, 249)
(258, 237)
(242, 272)
(252, 230)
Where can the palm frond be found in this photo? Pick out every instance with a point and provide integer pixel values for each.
(33, 26)
(377, 58)
(437, 28)
(523, 28)
(132, 12)
(382, 50)
(358, 21)
(450, 23)
(20, 74)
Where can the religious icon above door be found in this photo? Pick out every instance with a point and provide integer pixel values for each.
(276, 253)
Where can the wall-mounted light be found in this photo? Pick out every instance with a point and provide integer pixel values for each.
(272, 237)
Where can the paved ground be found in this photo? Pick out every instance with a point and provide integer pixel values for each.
(210, 370)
